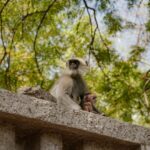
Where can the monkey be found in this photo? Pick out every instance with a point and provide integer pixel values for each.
(71, 89)
(88, 101)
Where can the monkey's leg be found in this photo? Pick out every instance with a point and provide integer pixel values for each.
(68, 103)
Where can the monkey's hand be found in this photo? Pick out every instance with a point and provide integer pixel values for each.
(89, 100)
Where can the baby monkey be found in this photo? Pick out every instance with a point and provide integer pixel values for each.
(88, 103)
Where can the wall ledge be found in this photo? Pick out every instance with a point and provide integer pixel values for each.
(27, 112)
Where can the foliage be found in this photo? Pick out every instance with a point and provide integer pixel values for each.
(148, 26)
(37, 37)
(113, 23)
(104, 4)
(131, 3)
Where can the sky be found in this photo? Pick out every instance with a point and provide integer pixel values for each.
(124, 40)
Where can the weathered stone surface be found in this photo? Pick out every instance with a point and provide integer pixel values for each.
(51, 142)
(37, 92)
(145, 147)
(88, 145)
(25, 110)
(7, 138)
(30, 142)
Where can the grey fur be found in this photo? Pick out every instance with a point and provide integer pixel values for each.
(70, 89)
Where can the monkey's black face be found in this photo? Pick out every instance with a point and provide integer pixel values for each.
(74, 64)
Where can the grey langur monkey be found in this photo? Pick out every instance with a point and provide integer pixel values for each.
(70, 89)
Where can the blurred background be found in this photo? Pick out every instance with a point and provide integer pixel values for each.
(38, 36)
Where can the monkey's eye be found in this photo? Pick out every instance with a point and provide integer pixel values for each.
(74, 62)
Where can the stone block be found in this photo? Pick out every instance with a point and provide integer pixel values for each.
(7, 138)
(50, 142)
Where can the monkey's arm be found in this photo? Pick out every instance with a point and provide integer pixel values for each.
(62, 92)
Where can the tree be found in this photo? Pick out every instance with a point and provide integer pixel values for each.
(37, 36)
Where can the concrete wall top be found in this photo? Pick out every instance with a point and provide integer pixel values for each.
(26, 111)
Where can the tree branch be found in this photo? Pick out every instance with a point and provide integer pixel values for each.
(97, 26)
(2, 39)
(1, 30)
(30, 14)
(36, 36)
(77, 28)
(5, 4)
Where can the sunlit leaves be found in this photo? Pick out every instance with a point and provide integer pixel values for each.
(121, 90)
(103, 4)
(136, 53)
(113, 23)
(148, 26)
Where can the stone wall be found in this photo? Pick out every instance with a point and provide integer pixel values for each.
(28, 123)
